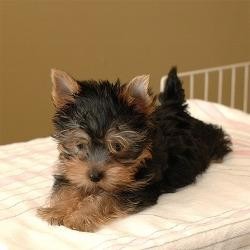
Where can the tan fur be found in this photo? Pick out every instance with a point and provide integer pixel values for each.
(77, 210)
(144, 105)
(60, 102)
(60, 98)
(77, 172)
(85, 205)
(116, 175)
(124, 136)
(120, 176)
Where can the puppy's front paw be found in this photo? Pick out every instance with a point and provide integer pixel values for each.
(51, 215)
(81, 221)
(73, 221)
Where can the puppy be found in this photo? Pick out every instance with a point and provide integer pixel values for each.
(118, 150)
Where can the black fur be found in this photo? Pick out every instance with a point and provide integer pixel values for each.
(96, 109)
(182, 146)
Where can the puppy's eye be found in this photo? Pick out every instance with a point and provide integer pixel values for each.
(80, 146)
(117, 147)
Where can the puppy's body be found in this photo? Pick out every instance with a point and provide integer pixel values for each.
(119, 151)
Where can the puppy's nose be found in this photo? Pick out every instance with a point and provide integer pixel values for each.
(95, 176)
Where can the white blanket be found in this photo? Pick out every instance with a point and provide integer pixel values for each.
(213, 213)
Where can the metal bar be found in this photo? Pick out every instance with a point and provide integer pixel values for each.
(206, 86)
(162, 83)
(246, 78)
(220, 86)
(191, 93)
(232, 67)
(233, 77)
(200, 71)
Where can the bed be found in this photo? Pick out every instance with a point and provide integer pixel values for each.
(213, 213)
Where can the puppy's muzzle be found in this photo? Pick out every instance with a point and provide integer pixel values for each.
(95, 175)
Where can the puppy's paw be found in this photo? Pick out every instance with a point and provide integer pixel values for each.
(51, 215)
(77, 221)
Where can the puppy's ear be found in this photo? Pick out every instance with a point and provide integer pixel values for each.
(138, 87)
(64, 88)
(137, 93)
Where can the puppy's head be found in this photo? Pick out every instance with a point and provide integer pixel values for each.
(103, 130)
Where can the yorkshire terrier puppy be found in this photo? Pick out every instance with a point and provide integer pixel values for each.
(119, 150)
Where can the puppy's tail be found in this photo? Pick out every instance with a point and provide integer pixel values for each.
(173, 91)
(216, 140)
(219, 143)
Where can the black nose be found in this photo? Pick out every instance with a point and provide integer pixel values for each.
(95, 176)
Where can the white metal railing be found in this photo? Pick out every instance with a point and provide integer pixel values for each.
(220, 70)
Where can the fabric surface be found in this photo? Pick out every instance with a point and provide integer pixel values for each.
(213, 213)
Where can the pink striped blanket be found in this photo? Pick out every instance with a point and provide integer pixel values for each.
(213, 213)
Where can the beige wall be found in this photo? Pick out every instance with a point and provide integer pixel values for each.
(106, 39)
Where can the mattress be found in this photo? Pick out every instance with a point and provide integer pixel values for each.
(213, 213)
